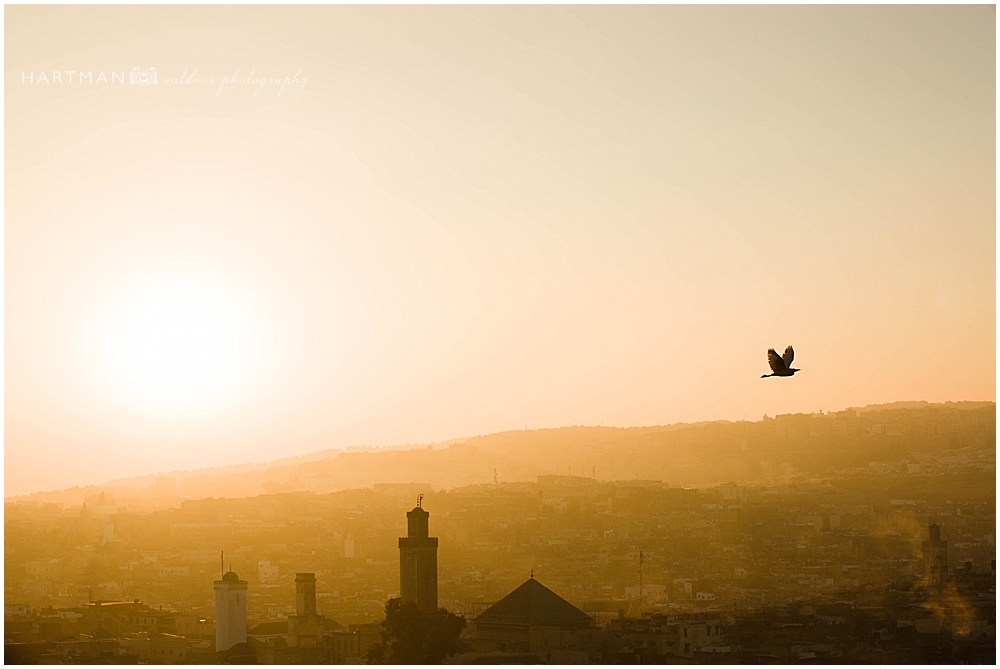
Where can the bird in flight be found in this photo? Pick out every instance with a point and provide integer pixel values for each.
(781, 365)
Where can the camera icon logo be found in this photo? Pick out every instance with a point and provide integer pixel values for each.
(139, 77)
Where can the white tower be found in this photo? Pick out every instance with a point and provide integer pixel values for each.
(230, 611)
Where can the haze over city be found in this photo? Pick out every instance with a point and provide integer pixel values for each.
(500, 334)
(460, 221)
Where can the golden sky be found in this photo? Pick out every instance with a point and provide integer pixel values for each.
(455, 220)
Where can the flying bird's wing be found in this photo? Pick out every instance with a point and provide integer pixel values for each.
(787, 357)
(773, 359)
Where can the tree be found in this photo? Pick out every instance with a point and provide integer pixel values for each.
(410, 636)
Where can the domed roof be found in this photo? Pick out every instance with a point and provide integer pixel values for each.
(230, 577)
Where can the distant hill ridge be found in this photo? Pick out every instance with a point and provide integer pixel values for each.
(681, 454)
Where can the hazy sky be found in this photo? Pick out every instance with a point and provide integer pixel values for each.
(476, 218)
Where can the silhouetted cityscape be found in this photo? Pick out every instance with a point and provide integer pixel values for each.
(867, 537)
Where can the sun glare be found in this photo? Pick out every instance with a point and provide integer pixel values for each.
(176, 341)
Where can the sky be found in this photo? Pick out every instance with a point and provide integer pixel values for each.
(450, 221)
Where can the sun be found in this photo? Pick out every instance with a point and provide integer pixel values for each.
(177, 340)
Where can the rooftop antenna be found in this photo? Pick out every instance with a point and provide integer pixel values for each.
(222, 562)
(420, 501)
(640, 583)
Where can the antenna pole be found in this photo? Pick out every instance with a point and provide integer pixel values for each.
(222, 563)
(640, 584)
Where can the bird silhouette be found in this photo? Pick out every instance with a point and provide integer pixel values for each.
(781, 365)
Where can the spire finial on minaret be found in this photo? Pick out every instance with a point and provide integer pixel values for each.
(420, 501)
(222, 563)
(532, 574)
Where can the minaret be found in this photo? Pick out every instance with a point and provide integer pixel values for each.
(230, 611)
(306, 622)
(418, 561)
(305, 595)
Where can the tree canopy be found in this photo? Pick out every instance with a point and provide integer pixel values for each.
(411, 636)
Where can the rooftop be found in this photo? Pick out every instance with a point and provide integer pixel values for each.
(532, 603)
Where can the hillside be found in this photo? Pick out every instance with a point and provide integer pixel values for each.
(900, 435)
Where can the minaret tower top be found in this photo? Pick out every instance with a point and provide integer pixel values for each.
(417, 522)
